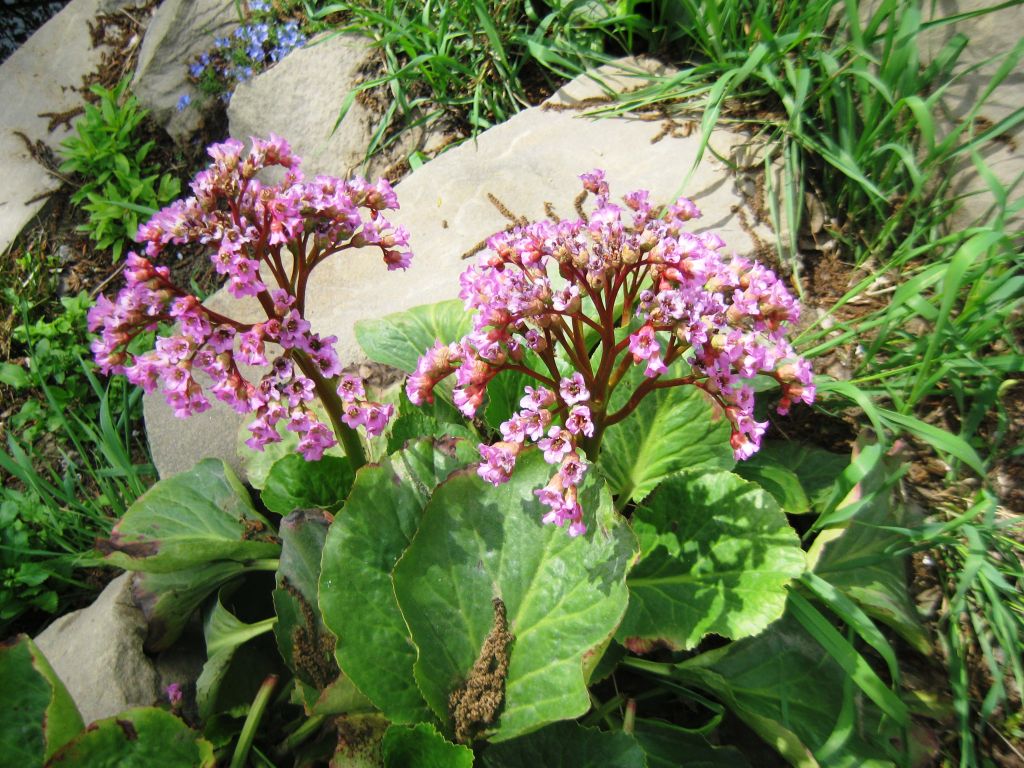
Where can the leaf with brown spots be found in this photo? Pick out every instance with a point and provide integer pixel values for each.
(137, 738)
(189, 520)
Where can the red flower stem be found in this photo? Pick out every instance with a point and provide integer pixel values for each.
(642, 391)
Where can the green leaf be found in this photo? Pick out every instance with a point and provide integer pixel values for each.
(672, 429)
(341, 697)
(799, 476)
(859, 559)
(781, 482)
(299, 626)
(664, 744)
(716, 556)
(421, 746)
(294, 483)
(853, 664)
(359, 741)
(168, 600)
(39, 715)
(188, 520)
(137, 738)
(566, 745)
(363, 544)
(562, 596)
(234, 666)
(437, 420)
(257, 464)
(503, 395)
(790, 692)
(815, 468)
(399, 339)
(14, 376)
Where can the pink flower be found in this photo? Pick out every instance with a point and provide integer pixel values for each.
(579, 421)
(643, 344)
(556, 445)
(574, 389)
(174, 694)
(538, 398)
(498, 461)
(351, 388)
(313, 444)
(376, 417)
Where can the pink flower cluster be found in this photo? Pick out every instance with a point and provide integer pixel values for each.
(545, 291)
(558, 443)
(256, 233)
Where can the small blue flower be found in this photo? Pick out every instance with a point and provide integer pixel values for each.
(196, 69)
(221, 42)
(258, 6)
(184, 101)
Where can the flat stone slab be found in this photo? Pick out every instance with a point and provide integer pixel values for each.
(533, 159)
(41, 77)
(990, 38)
(282, 100)
(178, 31)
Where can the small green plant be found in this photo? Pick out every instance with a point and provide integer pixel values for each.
(66, 470)
(266, 36)
(53, 348)
(52, 507)
(118, 183)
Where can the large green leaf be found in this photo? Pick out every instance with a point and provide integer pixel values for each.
(168, 600)
(359, 739)
(666, 744)
(305, 644)
(356, 595)
(716, 555)
(563, 597)
(859, 559)
(341, 697)
(672, 429)
(137, 738)
(566, 745)
(790, 692)
(256, 465)
(800, 477)
(225, 635)
(504, 393)
(39, 716)
(421, 746)
(189, 520)
(399, 339)
(294, 483)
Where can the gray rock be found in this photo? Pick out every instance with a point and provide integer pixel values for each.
(97, 653)
(990, 38)
(300, 99)
(179, 31)
(533, 158)
(41, 77)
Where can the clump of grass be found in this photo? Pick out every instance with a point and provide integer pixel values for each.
(70, 462)
(474, 62)
(53, 507)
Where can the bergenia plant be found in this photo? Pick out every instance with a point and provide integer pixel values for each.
(574, 304)
(266, 239)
